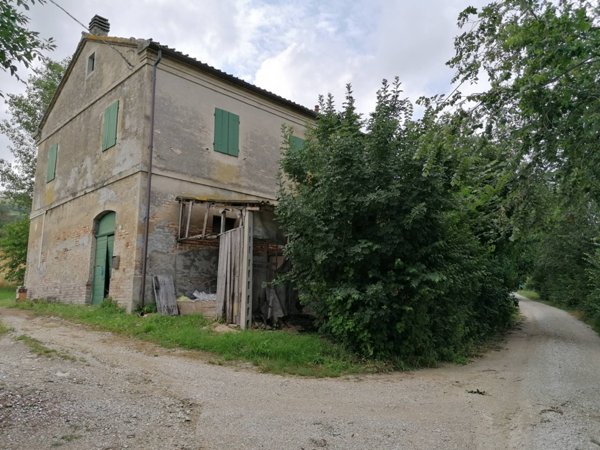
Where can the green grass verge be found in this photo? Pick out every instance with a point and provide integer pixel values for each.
(7, 296)
(531, 295)
(270, 351)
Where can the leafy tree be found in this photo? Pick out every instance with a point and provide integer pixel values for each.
(542, 110)
(26, 112)
(18, 44)
(542, 59)
(377, 240)
(13, 254)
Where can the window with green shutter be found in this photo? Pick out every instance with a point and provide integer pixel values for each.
(227, 132)
(109, 130)
(296, 143)
(51, 169)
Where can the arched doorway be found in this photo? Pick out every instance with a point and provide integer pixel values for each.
(105, 238)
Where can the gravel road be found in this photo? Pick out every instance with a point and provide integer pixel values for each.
(540, 389)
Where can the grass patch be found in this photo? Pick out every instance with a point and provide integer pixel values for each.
(4, 329)
(41, 350)
(7, 296)
(270, 351)
(531, 295)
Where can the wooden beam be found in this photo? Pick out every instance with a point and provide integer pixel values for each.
(205, 219)
(246, 270)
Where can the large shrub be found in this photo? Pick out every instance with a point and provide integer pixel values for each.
(376, 237)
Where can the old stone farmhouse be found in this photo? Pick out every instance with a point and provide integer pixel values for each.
(147, 158)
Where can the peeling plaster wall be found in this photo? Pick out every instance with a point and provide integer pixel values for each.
(62, 245)
(186, 102)
(81, 164)
(193, 265)
(185, 164)
(89, 181)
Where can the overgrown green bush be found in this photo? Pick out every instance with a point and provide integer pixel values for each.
(13, 250)
(591, 304)
(377, 240)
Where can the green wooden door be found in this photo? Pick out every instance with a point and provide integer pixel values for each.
(105, 239)
(99, 269)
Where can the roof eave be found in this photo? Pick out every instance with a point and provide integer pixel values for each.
(309, 113)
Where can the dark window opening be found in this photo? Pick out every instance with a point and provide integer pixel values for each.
(91, 63)
(216, 224)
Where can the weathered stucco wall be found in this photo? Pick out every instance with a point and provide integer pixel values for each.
(83, 88)
(186, 102)
(81, 164)
(89, 181)
(62, 245)
(185, 164)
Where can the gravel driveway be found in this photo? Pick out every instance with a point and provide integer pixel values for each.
(540, 389)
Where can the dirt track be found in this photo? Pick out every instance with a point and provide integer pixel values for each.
(541, 390)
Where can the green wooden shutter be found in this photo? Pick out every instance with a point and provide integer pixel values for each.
(220, 144)
(227, 132)
(51, 169)
(233, 139)
(296, 143)
(109, 132)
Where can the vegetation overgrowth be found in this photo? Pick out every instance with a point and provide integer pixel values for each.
(542, 111)
(381, 236)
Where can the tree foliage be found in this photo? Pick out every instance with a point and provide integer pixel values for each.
(542, 60)
(26, 112)
(13, 254)
(18, 44)
(377, 240)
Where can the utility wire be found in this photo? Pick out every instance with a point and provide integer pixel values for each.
(129, 65)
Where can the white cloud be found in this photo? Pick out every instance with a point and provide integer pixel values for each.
(295, 48)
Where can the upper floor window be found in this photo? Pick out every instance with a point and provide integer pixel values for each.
(227, 132)
(296, 143)
(51, 168)
(91, 63)
(109, 129)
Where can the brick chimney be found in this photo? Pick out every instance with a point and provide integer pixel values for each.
(99, 26)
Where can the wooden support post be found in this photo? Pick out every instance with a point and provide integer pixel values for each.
(223, 219)
(205, 220)
(189, 217)
(246, 270)
(180, 219)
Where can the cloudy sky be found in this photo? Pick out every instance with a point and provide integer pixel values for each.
(295, 48)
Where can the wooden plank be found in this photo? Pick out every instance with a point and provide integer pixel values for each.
(164, 295)
(180, 220)
(235, 275)
(189, 218)
(205, 219)
(221, 279)
(228, 278)
(246, 270)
